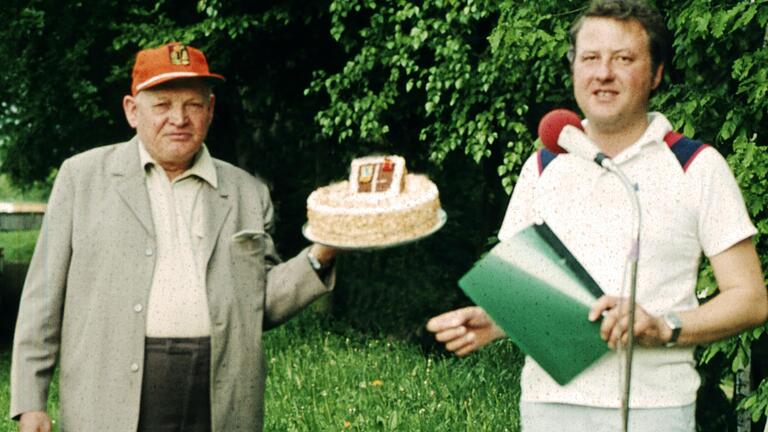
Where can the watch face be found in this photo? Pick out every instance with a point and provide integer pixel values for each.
(674, 323)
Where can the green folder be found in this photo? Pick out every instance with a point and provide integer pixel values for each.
(538, 292)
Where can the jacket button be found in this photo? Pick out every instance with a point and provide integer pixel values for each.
(148, 251)
(137, 307)
(134, 367)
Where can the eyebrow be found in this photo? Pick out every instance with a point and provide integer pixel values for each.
(612, 52)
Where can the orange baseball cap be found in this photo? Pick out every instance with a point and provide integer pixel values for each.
(169, 62)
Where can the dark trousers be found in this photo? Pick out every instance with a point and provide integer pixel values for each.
(175, 392)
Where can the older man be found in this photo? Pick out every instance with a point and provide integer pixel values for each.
(155, 274)
(691, 204)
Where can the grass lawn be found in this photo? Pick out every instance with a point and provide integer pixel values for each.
(5, 365)
(325, 376)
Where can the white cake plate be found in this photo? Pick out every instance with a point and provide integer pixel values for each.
(442, 217)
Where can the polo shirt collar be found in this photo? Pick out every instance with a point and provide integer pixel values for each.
(202, 165)
(658, 128)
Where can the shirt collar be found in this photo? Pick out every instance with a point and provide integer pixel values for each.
(202, 165)
(658, 127)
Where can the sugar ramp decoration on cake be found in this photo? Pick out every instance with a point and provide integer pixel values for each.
(381, 205)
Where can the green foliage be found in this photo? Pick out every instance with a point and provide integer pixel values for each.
(36, 191)
(718, 75)
(408, 64)
(51, 99)
(442, 70)
(757, 403)
(18, 245)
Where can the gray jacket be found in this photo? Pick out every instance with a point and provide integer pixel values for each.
(89, 279)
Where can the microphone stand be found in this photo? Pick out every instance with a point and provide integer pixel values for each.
(571, 138)
(634, 255)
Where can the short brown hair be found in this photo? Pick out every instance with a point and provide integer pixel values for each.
(659, 37)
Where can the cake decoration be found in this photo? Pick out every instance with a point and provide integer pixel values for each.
(378, 175)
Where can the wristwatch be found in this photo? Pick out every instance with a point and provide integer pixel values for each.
(315, 263)
(673, 321)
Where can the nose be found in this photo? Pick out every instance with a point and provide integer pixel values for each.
(604, 70)
(177, 115)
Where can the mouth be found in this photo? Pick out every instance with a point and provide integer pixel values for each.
(603, 94)
(178, 135)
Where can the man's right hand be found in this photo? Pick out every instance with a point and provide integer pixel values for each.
(35, 421)
(465, 330)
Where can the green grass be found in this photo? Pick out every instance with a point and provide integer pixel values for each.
(323, 376)
(6, 424)
(18, 245)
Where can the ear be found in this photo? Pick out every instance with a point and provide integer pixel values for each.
(129, 107)
(657, 77)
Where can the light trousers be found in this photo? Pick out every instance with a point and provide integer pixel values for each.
(554, 417)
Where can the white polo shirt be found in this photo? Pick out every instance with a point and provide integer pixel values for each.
(684, 213)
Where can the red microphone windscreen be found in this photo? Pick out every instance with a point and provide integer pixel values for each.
(553, 123)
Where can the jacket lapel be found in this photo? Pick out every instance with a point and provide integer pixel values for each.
(131, 184)
(131, 187)
(217, 205)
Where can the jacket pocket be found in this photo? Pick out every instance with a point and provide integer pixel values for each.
(248, 240)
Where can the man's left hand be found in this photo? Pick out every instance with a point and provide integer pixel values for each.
(649, 330)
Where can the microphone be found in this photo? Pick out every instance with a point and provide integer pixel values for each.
(561, 131)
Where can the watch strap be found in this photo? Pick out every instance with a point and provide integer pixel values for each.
(673, 322)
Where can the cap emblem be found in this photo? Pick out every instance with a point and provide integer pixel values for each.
(179, 55)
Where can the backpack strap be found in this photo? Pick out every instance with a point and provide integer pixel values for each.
(684, 148)
(544, 157)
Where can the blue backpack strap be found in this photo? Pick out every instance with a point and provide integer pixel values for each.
(544, 157)
(684, 148)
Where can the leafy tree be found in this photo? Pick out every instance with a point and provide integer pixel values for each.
(51, 103)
